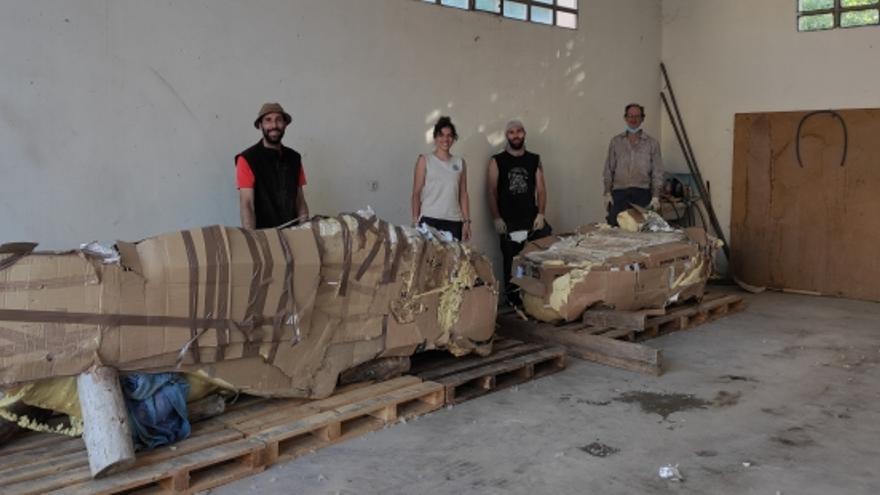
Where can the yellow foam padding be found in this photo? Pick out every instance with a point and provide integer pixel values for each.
(537, 308)
(691, 276)
(59, 394)
(200, 386)
(627, 222)
(562, 287)
(452, 295)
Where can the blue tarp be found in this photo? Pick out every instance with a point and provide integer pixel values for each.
(156, 406)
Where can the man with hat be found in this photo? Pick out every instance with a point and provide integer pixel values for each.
(517, 199)
(270, 176)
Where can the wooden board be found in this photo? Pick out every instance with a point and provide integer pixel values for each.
(582, 344)
(813, 228)
(609, 318)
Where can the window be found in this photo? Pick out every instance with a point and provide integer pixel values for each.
(562, 13)
(816, 15)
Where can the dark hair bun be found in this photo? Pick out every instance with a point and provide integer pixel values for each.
(442, 123)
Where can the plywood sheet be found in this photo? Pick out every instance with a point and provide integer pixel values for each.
(814, 227)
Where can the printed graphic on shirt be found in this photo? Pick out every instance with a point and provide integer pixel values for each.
(456, 167)
(518, 180)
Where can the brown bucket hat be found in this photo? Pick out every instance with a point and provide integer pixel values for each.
(268, 108)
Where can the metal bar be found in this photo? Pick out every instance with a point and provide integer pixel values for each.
(684, 152)
(696, 170)
(687, 159)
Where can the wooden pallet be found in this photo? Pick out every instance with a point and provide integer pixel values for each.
(636, 326)
(609, 337)
(249, 437)
(512, 362)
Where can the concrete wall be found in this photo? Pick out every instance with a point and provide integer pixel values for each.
(120, 118)
(728, 57)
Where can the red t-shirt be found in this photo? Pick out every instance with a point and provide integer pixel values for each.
(244, 176)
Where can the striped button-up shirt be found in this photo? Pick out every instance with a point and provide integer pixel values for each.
(636, 165)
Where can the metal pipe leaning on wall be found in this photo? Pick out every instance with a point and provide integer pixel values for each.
(684, 142)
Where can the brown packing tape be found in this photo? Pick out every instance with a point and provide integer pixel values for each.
(402, 247)
(363, 225)
(17, 247)
(193, 263)
(319, 239)
(286, 300)
(215, 246)
(119, 320)
(211, 269)
(346, 255)
(386, 262)
(17, 251)
(256, 273)
(253, 347)
(420, 262)
(377, 244)
(223, 306)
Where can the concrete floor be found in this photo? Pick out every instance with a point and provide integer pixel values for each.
(783, 398)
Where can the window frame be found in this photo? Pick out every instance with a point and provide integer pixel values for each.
(836, 11)
(553, 6)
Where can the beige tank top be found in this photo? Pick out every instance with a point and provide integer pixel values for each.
(440, 193)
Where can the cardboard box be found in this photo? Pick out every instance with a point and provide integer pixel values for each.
(562, 276)
(269, 312)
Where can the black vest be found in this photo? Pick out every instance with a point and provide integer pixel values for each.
(276, 183)
(516, 189)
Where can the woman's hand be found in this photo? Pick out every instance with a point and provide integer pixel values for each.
(466, 232)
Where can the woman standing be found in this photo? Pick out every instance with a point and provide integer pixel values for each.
(440, 197)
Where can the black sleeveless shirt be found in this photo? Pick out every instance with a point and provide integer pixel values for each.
(516, 189)
(276, 183)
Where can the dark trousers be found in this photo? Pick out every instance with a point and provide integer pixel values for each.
(453, 228)
(622, 199)
(509, 250)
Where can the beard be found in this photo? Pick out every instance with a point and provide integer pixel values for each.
(273, 136)
(516, 144)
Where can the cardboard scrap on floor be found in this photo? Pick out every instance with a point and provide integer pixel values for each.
(562, 276)
(269, 312)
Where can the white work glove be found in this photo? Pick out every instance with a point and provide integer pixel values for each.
(500, 226)
(538, 224)
(608, 201)
(655, 203)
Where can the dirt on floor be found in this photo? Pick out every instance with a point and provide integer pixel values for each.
(782, 398)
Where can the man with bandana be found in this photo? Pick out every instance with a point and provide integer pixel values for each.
(270, 176)
(633, 170)
(517, 199)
